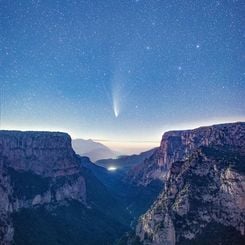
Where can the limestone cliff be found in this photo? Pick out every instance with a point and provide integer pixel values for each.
(36, 168)
(204, 197)
(179, 145)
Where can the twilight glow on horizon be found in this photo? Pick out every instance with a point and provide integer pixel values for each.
(121, 72)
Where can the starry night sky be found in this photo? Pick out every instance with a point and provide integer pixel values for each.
(123, 71)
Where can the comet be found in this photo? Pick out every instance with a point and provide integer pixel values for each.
(120, 92)
(115, 102)
(113, 93)
(119, 87)
(116, 110)
(116, 93)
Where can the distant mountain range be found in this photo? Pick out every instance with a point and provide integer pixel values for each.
(94, 150)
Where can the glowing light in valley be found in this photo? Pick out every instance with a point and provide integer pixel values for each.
(112, 168)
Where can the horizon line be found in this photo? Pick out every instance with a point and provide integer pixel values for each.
(126, 141)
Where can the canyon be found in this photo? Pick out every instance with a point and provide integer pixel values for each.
(190, 190)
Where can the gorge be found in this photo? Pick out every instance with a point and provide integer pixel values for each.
(191, 186)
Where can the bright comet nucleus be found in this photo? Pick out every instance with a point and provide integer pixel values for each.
(116, 111)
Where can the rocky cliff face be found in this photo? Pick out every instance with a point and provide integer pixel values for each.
(36, 168)
(43, 153)
(179, 145)
(204, 197)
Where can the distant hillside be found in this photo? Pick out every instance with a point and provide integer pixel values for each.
(125, 163)
(94, 150)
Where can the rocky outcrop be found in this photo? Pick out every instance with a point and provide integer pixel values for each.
(43, 153)
(204, 197)
(36, 168)
(179, 145)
